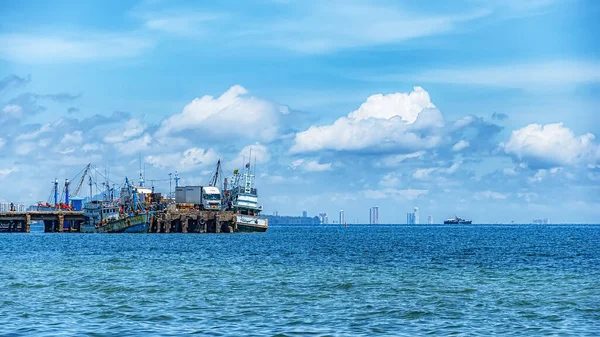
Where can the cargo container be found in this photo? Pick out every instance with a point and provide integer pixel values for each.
(205, 197)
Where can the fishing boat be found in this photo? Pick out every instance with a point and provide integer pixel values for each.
(128, 214)
(241, 197)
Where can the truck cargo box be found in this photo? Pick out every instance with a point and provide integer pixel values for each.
(193, 195)
(180, 194)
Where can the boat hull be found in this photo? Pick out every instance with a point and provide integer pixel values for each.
(131, 224)
(250, 223)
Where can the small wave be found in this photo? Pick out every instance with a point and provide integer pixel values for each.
(416, 314)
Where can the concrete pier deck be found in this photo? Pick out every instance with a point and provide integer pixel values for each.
(54, 221)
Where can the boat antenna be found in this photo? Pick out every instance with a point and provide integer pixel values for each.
(141, 182)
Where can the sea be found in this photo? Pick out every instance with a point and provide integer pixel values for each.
(363, 280)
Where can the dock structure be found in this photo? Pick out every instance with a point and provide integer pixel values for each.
(192, 221)
(54, 221)
(170, 220)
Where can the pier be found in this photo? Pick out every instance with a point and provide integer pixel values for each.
(54, 221)
(193, 221)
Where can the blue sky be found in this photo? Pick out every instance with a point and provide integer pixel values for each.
(484, 109)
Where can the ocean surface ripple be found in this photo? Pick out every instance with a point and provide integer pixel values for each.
(476, 280)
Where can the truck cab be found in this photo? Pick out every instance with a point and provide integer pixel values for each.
(211, 198)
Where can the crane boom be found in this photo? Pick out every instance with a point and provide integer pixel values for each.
(215, 178)
(85, 172)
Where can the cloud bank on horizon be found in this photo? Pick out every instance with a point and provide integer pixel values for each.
(344, 114)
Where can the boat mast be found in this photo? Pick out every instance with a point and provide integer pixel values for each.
(55, 192)
(247, 175)
(91, 192)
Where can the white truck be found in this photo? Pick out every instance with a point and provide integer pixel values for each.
(206, 197)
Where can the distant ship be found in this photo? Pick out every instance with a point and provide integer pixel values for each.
(457, 220)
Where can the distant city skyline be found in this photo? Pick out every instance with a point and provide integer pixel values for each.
(6, 207)
(409, 218)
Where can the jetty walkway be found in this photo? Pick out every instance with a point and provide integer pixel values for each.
(54, 221)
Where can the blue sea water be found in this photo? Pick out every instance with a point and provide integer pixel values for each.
(510, 280)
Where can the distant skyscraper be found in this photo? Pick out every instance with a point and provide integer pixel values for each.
(370, 216)
(430, 220)
(374, 215)
(342, 220)
(416, 216)
(410, 218)
(304, 214)
(323, 217)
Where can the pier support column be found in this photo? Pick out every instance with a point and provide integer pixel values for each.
(61, 222)
(185, 223)
(151, 225)
(27, 223)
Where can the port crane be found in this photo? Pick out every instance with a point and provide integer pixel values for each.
(214, 180)
(85, 172)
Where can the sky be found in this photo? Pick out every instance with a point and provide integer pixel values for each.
(488, 110)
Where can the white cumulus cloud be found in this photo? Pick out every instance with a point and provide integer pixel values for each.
(73, 138)
(234, 113)
(260, 155)
(310, 165)
(13, 110)
(133, 128)
(135, 145)
(551, 145)
(397, 122)
(423, 174)
(406, 105)
(395, 160)
(5, 173)
(188, 160)
(460, 145)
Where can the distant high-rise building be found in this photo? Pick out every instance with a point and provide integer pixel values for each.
(342, 220)
(410, 218)
(430, 220)
(323, 217)
(416, 217)
(304, 214)
(374, 215)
